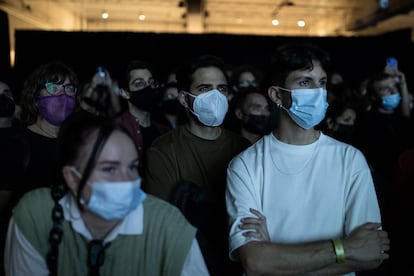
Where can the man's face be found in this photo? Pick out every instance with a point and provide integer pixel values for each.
(208, 78)
(139, 79)
(256, 104)
(305, 79)
(5, 89)
(246, 79)
(385, 87)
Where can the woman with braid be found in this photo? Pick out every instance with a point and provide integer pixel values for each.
(98, 221)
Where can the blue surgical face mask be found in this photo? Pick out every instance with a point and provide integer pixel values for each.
(210, 107)
(114, 200)
(308, 106)
(391, 102)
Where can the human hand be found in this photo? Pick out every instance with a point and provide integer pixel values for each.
(102, 77)
(367, 243)
(257, 226)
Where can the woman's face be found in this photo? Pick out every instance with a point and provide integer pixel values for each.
(118, 161)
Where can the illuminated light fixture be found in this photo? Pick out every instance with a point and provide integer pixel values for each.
(141, 17)
(301, 23)
(104, 15)
(275, 22)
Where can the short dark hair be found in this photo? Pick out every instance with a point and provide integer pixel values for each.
(292, 57)
(186, 71)
(134, 65)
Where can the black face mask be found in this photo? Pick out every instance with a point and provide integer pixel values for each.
(7, 106)
(145, 99)
(172, 107)
(257, 124)
(345, 133)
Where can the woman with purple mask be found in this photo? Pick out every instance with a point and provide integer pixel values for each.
(48, 97)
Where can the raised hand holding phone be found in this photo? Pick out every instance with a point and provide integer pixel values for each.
(391, 66)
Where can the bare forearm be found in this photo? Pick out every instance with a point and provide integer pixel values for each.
(340, 269)
(264, 258)
(364, 249)
(405, 99)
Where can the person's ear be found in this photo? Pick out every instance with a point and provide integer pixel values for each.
(71, 179)
(238, 113)
(274, 95)
(124, 94)
(330, 123)
(182, 99)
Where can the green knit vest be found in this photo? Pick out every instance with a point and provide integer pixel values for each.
(160, 250)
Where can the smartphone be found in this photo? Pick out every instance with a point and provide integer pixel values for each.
(101, 72)
(392, 62)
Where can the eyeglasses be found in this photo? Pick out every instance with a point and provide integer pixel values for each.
(141, 83)
(55, 88)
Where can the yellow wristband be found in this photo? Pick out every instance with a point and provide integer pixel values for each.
(339, 251)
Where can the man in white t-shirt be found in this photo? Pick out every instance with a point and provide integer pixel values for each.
(299, 201)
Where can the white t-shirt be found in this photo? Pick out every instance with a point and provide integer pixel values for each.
(313, 192)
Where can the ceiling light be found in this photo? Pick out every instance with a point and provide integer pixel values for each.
(142, 17)
(105, 15)
(275, 22)
(301, 23)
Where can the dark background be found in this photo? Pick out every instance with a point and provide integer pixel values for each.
(354, 57)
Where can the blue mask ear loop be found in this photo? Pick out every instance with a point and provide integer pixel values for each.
(280, 106)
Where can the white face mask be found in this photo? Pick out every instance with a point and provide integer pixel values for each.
(114, 200)
(210, 108)
(308, 106)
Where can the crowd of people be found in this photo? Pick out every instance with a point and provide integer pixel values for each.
(201, 170)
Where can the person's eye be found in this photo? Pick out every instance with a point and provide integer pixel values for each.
(323, 83)
(138, 82)
(133, 168)
(223, 89)
(204, 89)
(109, 170)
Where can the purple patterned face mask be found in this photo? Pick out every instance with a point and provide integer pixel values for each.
(55, 109)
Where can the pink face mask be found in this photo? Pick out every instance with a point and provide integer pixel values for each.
(55, 109)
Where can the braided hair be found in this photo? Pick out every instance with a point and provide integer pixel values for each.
(75, 135)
